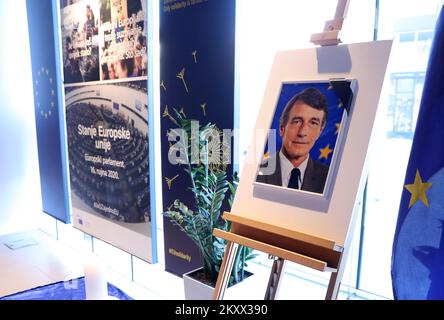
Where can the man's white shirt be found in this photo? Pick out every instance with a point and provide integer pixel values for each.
(287, 167)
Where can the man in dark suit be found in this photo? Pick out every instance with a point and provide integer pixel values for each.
(300, 125)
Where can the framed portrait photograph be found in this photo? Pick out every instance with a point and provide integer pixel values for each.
(316, 115)
(306, 137)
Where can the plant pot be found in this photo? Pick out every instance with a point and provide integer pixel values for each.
(195, 289)
(198, 290)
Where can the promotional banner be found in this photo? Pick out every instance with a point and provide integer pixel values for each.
(107, 132)
(106, 99)
(197, 74)
(52, 163)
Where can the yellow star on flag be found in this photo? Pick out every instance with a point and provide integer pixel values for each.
(325, 152)
(338, 127)
(418, 190)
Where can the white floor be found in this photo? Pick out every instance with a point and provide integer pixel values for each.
(36, 259)
(33, 258)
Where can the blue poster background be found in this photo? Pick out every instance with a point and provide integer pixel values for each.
(45, 74)
(197, 42)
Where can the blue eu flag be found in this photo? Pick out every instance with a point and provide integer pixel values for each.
(53, 173)
(418, 247)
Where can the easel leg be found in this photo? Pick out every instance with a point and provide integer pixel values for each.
(225, 270)
(275, 279)
(336, 278)
(333, 287)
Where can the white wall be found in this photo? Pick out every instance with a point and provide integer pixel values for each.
(20, 201)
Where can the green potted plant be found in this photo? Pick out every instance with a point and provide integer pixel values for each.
(210, 187)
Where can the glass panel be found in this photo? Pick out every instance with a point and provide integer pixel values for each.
(393, 137)
(406, 37)
(425, 36)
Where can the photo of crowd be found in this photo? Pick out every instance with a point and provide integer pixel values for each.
(80, 35)
(103, 40)
(123, 52)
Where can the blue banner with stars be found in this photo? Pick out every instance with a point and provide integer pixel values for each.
(197, 79)
(418, 247)
(53, 174)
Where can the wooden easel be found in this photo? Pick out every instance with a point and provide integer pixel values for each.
(319, 254)
(310, 251)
